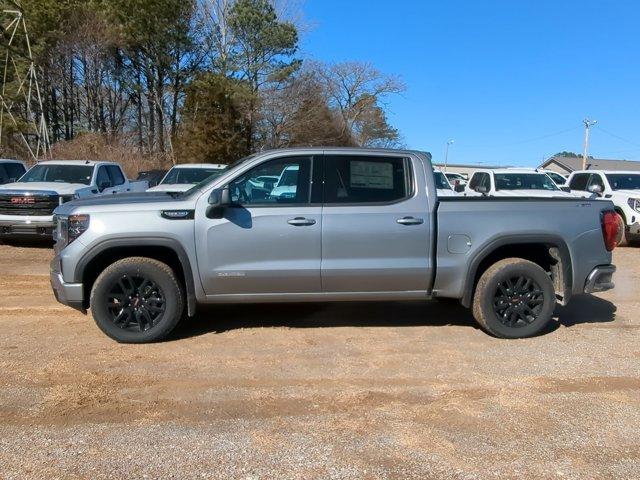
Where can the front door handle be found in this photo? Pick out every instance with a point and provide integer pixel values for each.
(410, 221)
(301, 222)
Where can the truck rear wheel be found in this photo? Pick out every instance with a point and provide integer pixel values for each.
(137, 300)
(514, 298)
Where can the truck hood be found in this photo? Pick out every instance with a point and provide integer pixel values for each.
(533, 193)
(177, 187)
(123, 202)
(59, 188)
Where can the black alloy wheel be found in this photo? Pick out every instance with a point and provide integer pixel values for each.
(518, 301)
(135, 303)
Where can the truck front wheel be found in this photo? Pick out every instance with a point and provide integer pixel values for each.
(514, 298)
(137, 300)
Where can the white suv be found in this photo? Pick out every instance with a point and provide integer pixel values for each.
(621, 187)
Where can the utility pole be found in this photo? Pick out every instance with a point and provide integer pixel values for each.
(446, 154)
(587, 125)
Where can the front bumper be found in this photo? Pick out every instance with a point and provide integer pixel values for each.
(27, 227)
(600, 279)
(70, 294)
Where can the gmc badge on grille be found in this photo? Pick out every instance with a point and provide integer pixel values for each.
(23, 201)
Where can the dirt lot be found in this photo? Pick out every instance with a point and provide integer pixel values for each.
(318, 391)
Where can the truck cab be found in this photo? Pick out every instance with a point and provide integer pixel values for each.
(620, 187)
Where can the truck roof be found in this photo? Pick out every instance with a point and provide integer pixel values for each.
(200, 165)
(508, 170)
(10, 160)
(605, 172)
(89, 163)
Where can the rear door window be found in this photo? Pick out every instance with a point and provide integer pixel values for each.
(579, 182)
(354, 179)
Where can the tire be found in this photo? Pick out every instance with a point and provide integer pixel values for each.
(137, 300)
(623, 235)
(531, 303)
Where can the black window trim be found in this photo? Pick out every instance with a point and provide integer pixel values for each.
(409, 180)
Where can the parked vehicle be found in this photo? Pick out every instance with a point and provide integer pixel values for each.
(620, 187)
(182, 177)
(11, 170)
(457, 181)
(513, 182)
(362, 225)
(152, 177)
(26, 207)
(559, 180)
(443, 187)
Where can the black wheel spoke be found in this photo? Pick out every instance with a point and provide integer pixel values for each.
(518, 301)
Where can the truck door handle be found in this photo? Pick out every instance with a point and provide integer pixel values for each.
(301, 222)
(410, 221)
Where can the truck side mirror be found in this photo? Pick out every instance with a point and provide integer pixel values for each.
(219, 199)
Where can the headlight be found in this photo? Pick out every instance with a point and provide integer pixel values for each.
(66, 198)
(76, 226)
(634, 203)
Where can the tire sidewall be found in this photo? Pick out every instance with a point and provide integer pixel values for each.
(526, 269)
(168, 319)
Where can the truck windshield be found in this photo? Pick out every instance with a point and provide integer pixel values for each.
(208, 180)
(441, 181)
(524, 181)
(59, 174)
(619, 181)
(189, 175)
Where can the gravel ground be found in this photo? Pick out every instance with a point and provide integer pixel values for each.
(344, 391)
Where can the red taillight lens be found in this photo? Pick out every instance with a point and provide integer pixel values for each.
(611, 228)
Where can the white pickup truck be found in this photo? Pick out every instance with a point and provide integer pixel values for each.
(621, 187)
(512, 182)
(26, 207)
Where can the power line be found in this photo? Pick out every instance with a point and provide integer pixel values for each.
(635, 144)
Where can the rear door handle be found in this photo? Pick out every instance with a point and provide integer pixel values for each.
(410, 221)
(301, 222)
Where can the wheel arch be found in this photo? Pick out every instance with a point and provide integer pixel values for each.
(549, 251)
(165, 250)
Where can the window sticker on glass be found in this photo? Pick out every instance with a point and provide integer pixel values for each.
(372, 175)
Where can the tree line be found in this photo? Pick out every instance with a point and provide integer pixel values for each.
(196, 80)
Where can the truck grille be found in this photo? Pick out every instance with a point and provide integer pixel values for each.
(28, 205)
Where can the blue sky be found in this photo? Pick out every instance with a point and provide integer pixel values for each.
(500, 77)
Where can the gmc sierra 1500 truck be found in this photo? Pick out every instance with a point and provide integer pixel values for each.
(352, 224)
(26, 207)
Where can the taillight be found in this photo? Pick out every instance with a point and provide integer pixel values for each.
(611, 228)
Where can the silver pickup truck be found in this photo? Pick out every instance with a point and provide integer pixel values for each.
(327, 225)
